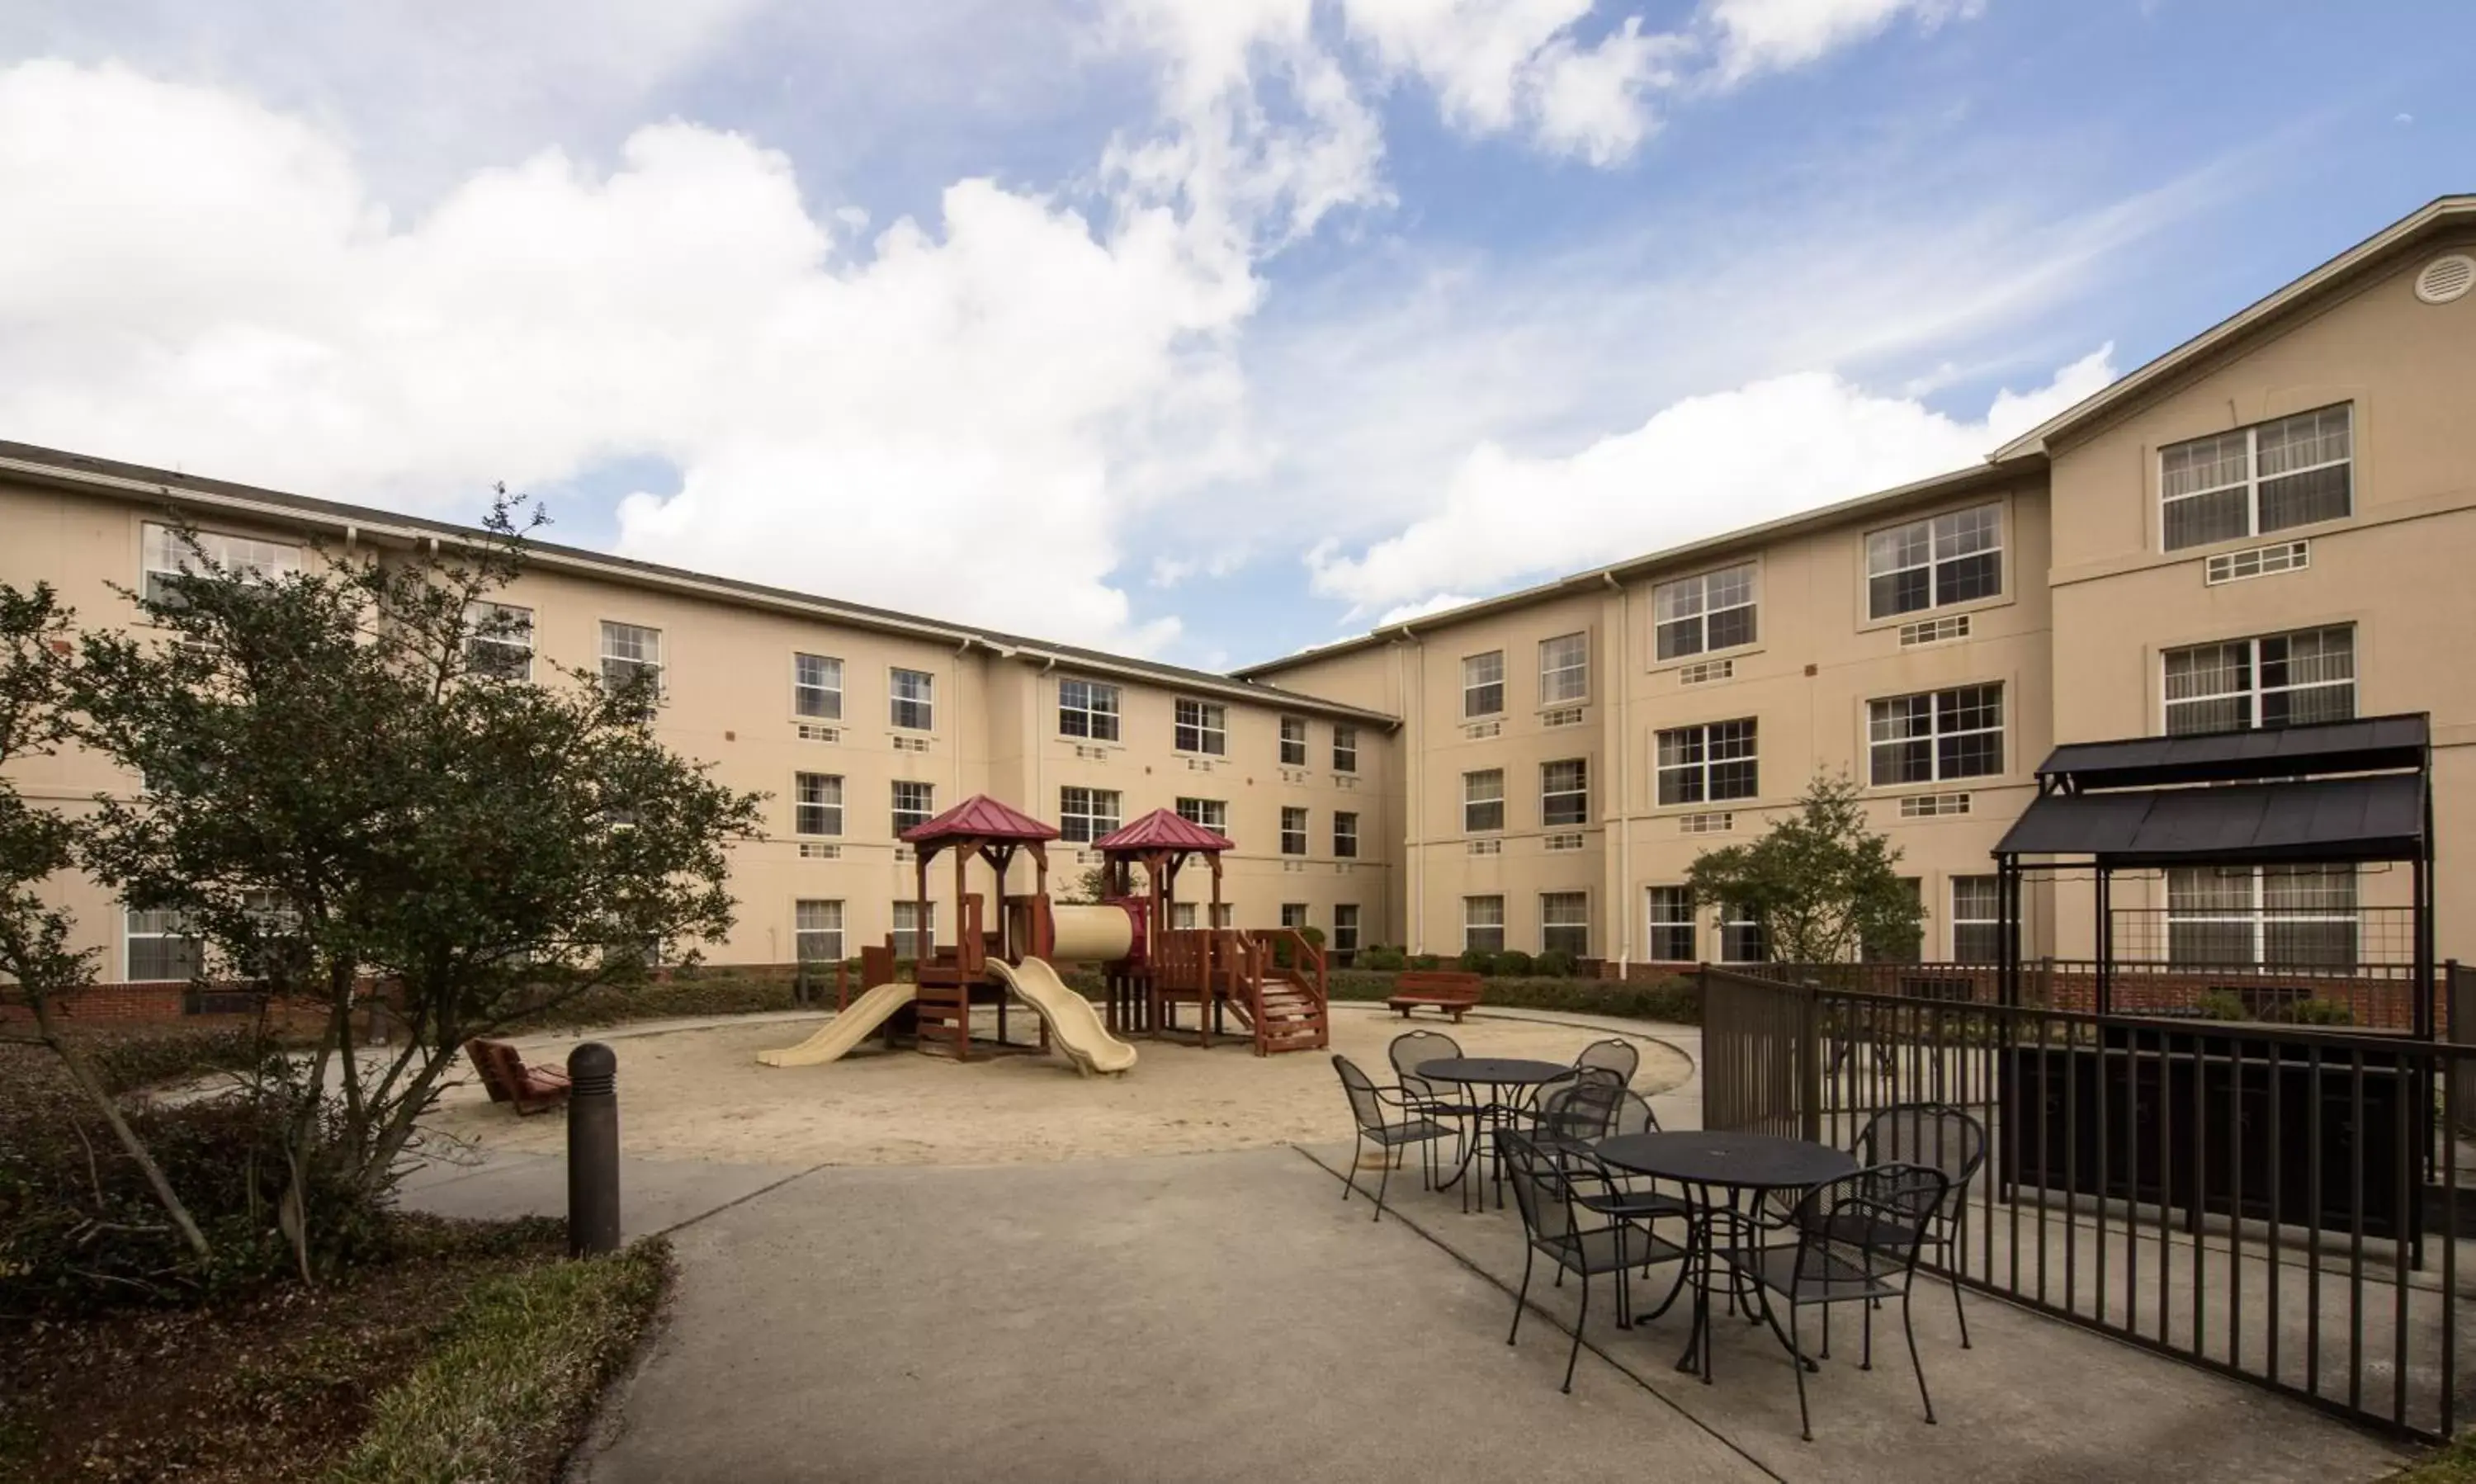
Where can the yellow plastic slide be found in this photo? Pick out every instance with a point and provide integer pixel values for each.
(845, 1030)
(1074, 1028)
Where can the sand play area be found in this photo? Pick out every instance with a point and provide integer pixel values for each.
(701, 1094)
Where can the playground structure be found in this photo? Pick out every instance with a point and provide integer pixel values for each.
(1273, 981)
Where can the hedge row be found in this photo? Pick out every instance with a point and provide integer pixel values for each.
(1675, 1001)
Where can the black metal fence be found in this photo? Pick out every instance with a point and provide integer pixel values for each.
(2277, 1203)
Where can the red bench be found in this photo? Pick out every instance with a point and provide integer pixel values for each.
(503, 1070)
(1443, 989)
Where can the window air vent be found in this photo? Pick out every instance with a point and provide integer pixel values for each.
(1706, 824)
(912, 744)
(1085, 749)
(1344, 780)
(1935, 631)
(1088, 857)
(2259, 561)
(1487, 846)
(1198, 765)
(1477, 729)
(1294, 774)
(903, 853)
(1933, 806)
(809, 851)
(1562, 716)
(1707, 671)
(814, 734)
(1296, 866)
(1571, 840)
(2445, 279)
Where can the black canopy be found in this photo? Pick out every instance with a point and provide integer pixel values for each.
(2332, 820)
(2372, 744)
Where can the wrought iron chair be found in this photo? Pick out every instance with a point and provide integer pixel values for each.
(1856, 1240)
(1551, 1190)
(1370, 1105)
(1412, 1049)
(1946, 1138)
(1615, 1055)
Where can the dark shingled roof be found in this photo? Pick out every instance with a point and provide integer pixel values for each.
(2331, 819)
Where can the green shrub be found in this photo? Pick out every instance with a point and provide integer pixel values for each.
(1553, 964)
(1677, 1001)
(1381, 959)
(1426, 962)
(708, 992)
(1513, 963)
(1476, 960)
(2318, 1012)
(2221, 1004)
(1313, 935)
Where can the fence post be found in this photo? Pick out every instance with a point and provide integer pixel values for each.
(592, 1150)
(1809, 1061)
(2458, 990)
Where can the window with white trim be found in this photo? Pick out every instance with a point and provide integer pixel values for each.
(1294, 830)
(164, 554)
(1935, 735)
(817, 686)
(1211, 813)
(1483, 924)
(1226, 915)
(1696, 615)
(2274, 917)
(2293, 471)
(1293, 741)
(1087, 814)
(1953, 557)
(1715, 760)
(2278, 680)
(499, 641)
(157, 945)
(1565, 922)
(817, 932)
(1742, 939)
(817, 807)
(1673, 926)
(629, 650)
(1345, 927)
(1483, 800)
(1201, 726)
(914, 804)
(1181, 914)
(1345, 834)
(1563, 792)
(1293, 915)
(1564, 668)
(909, 936)
(914, 700)
(1977, 920)
(1483, 684)
(1344, 750)
(1087, 708)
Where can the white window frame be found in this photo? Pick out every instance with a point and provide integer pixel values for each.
(1733, 931)
(910, 907)
(1579, 900)
(1696, 601)
(816, 686)
(2255, 692)
(162, 552)
(1988, 892)
(1344, 748)
(1295, 824)
(1475, 797)
(1475, 910)
(926, 812)
(817, 922)
(499, 635)
(1183, 916)
(1212, 815)
(817, 799)
(1199, 726)
(628, 651)
(1573, 795)
(1694, 776)
(1564, 677)
(1679, 900)
(911, 698)
(1294, 916)
(1293, 741)
(159, 925)
(1930, 545)
(1935, 735)
(1087, 814)
(1345, 927)
(1483, 685)
(2251, 480)
(1345, 834)
(1089, 709)
(2259, 915)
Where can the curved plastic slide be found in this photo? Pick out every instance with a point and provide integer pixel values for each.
(845, 1030)
(1074, 1028)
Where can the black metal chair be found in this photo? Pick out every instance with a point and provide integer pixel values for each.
(1412, 1049)
(1614, 1054)
(1552, 1191)
(1945, 1138)
(1856, 1240)
(1369, 1105)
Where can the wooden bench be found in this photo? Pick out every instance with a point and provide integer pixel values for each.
(1445, 989)
(502, 1072)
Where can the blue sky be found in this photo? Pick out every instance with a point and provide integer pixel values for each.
(1212, 331)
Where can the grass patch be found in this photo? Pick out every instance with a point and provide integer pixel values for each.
(510, 1386)
(2454, 1463)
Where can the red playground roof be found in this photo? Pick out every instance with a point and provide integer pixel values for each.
(979, 818)
(1162, 830)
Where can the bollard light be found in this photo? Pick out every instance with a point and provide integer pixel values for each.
(592, 1150)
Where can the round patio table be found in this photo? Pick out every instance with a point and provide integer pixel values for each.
(1498, 1075)
(1707, 1163)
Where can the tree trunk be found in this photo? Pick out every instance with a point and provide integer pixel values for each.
(93, 1086)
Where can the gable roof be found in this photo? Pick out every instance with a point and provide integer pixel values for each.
(2376, 252)
(1163, 829)
(979, 818)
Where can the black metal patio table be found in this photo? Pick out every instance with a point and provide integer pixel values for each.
(1498, 1075)
(1705, 1164)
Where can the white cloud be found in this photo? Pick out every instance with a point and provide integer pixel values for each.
(1699, 466)
(1776, 36)
(209, 285)
(1402, 613)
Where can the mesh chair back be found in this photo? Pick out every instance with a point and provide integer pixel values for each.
(1364, 1105)
(1632, 1114)
(1582, 1112)
(1934, 1134)
(1414, 1048)
(1542, 1189)
(1622, 1057)
(1864, 1226)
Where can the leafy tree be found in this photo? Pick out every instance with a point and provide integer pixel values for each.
(1821, 882)
(1084, 888)
(37, 966)
(354, 802)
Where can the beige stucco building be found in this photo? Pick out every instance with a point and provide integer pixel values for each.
(2269, 523)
